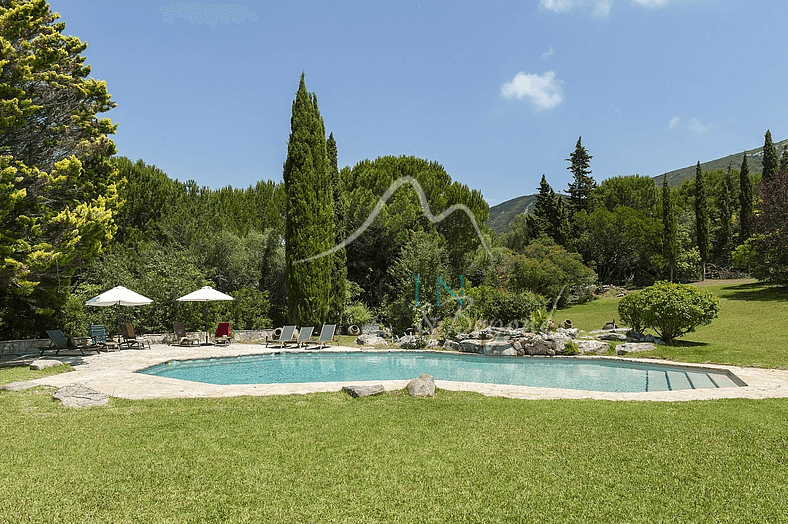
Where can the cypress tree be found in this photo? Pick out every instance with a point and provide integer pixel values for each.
(784, 160)
(770, 160)
(745, 201)
(551, 212)
(582, 184)
(669, 243)
(725, 209)
(309, 225)
(701, 218)
(338, 258)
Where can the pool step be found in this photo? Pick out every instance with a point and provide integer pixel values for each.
(669, 380)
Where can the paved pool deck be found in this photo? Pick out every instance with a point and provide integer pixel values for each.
(113, 373)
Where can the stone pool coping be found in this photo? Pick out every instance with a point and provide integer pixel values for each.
(114, 373)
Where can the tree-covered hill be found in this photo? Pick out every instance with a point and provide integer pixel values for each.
(502, 214)
(754, 159)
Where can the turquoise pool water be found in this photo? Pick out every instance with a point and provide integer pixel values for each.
(567, 373)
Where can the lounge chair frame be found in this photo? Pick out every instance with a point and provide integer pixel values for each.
(287, 335)
(304, 337)
(58, 341)
(182, 338)
(222, 335)
(130, 340)
(326, 336)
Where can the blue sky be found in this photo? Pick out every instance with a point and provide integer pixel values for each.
(497, 92)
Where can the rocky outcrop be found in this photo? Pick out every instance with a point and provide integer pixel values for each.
(592, 346)
(634, 347)
(371, 340)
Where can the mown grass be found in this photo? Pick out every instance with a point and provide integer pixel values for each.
(458, 457)
(751, 330)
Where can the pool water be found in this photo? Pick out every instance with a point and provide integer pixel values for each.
(566, 373)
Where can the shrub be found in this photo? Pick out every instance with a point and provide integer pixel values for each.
(671, 310)
(570, 348)
(504, 307)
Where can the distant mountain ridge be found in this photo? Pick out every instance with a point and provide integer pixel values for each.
(502, 214)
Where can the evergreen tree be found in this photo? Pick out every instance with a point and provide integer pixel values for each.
(551, 212)
(669, 241)
(745, 201)
(582, 184)
(58, 187)
(725, 208)
(784, 160)
(339, 258)
(701, 218)
(770, 160)
(309, 228)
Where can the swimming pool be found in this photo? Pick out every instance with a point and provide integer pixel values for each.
(567, 373)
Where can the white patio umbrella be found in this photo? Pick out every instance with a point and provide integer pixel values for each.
(118, 296)
(204, 294)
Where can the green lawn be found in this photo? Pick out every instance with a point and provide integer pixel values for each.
(458, 457)
(751, 330)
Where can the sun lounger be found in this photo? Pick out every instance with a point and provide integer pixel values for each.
(222, 335)
(98, 333)
(285, 336)
(58, 341)
(130, 340)
(304, 336)
(326, 336)
(181, 338)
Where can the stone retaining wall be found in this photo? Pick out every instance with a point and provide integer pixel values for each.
(14, 347)
(11, 347)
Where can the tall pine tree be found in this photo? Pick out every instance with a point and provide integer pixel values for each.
(551, 212)
(701, 218)
(582, 184)
(309, 227)
(338, 258)
(669, 241)
(745, 201)
(770, 160)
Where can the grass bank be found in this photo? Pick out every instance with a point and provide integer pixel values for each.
(751, 329)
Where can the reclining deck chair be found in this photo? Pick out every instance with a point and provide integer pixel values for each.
(222, 335)
(326, 336)
(285, 336)
(129, 338)
(98, 333)
(304, 336)
(181, 338)
(58, 341)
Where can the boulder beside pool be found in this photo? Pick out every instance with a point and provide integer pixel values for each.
(363, 391)
(424, 386)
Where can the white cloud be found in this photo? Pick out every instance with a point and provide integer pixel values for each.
(601, 8)
(547, 54)
(696, 126)
(596, 8)
(650, 3)
(544, 90)
(674, 122)
(559, 6)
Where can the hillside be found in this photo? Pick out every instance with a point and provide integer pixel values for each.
(754, 161)
(503, 214)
